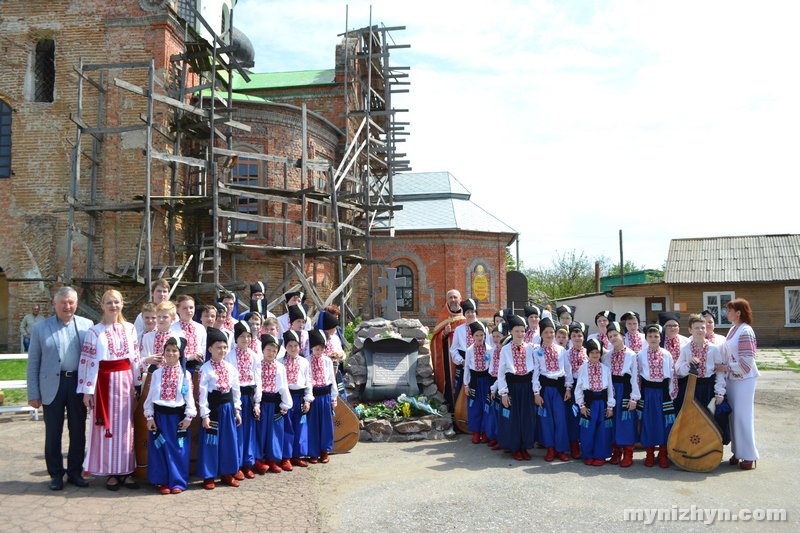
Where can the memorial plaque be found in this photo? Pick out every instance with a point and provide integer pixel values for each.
(390, 369)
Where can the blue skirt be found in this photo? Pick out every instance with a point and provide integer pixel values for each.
(655, 428)
(295, 436)
(625, 430)
(168, 462)
(246, 434)
(320, 426)
(269, 432)
(596, 432)
(553, 420)
(515, 425)
(222, 457)
(476, 413)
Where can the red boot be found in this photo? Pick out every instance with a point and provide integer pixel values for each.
(562, 456)
(286, 465)
(627, 457)
(525, 454)
(551, 454)
(323, 457)
(599, 462)
(239, 476)
(575, 449)
(260, 467)
(616, 453)
(230, 480)
(476, 438)
(274, 468)
(484, 438)
(589, 462)
(491, 443)
(496, 446)
(208, 483)
(248, 472)
(663, 457)
(296, 461)
(517, 456)
(650, 459)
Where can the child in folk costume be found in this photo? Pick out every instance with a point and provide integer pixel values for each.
(577, 357)
(623, 363)
(562, 336)
(248, 364)
(208, 315)
(169, 409)
(329, 323)
(148, 320)
(552, 388)
(673, 342)
(602, 320)
(494, 404)
(270, 327)
(325, 395)
(152, 355)
(705, 356)
(717, 340)
(476, 382)
(275, 403)
(462, 339)
(258, 292)
(633, 338)
(228, 300)
(299, 321)
(194, 333)
(298, 378)
(659, 388)
(500, 317)
(285, 320)
(532, 315)
(220, 405)
(514, 384)
(594, 394)
(221, 323)
(565, 314)
(255, 320)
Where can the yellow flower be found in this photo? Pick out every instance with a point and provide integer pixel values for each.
(406, 410)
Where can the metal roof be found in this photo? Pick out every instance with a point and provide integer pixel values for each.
(438, 201)
(274, 80)
(734, 259)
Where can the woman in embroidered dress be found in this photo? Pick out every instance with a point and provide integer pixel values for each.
(107, 374)
(741, 383)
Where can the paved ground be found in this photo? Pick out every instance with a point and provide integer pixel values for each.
(442, 486)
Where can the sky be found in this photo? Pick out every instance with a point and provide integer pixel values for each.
(573, 120)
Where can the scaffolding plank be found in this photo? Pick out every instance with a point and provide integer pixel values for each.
(271, 220)
(191, 161)
(104, 66)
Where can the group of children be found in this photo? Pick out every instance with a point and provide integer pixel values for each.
(536, 381)
(265, 397)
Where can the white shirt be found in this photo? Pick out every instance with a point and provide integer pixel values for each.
(667, 369)
(563, 368)
(248, 364)
(629, 366)
(281, 386)
(506, 365)
(582, 384)
(208, 383)
(461, 342)
(713, 357)
(181, 398)
(199, 332)
(303, 378)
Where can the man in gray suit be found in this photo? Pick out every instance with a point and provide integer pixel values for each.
(53, 358)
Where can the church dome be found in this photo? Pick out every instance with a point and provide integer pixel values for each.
(246, 54)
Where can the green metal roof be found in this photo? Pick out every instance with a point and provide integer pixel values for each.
(236, 96)
(275, 80)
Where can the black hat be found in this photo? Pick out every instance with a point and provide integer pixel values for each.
(469, 305)
(562, 327)
(251, 314)
(564, 309)
(316, 337)
(706, 313)
(241, 327)
(610, 315)
(297, 312)
(654, 327)
(180, 342)
(220, 307)
(502, 328)
(289, 295)
(615, 326)
(329, 321)
(501, 313)
(578, 326)
(630, 314)
(258, 306)
(546, 322)
(666, 316)
(259, 286)
(513, 321)
(215, 335)
(290, 335)
(268, 339)
(477, 326)
(532, 310)
(593, 344)
(226, 295)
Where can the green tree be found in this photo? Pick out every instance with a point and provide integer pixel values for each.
(511, 263)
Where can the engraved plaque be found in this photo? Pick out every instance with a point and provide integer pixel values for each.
(390, 369)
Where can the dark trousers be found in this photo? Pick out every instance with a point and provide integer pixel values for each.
(68, 399)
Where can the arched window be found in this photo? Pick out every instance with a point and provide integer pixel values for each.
(246, 172)
(405, 294)
(5, 139)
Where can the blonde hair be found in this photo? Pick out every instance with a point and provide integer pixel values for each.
(111, 292)
(168, 306)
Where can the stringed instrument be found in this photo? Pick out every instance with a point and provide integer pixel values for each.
(462, 413)
(345, 427)
(140, 433)
(695, 443)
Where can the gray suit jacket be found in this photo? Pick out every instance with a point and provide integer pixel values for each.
(44, 361)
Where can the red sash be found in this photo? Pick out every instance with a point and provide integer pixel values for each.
(101, 394)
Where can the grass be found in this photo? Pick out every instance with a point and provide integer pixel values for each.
(12, 369)
(16, 397)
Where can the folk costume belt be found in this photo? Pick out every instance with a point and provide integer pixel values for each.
(102, 400)
(591, 396)
(517, 378)
(322, 391)
(556, 383)
(270, 397)
(164, 410)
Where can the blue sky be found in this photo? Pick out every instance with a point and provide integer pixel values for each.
(572, 120)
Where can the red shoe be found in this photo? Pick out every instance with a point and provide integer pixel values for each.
(296, 461)
(313, 460)
(551, 454)
(476, 438)
(323, 457)
(484, 438)
(239, 475)
(663, 457)
(562, 456)
(650, 459)
(733, 461)
(616, 453)
(491, 443)
(248, 473)
(260, 467)
(286, 465)
(599, 462)
(627, 456)
(176, 490)
(589, 462)
(230, 480)
(575, 449)
(163, 489)
(274, 468)
(525, 454)
(747, 465)
(517, 456)
(209, 484)
(496, 446)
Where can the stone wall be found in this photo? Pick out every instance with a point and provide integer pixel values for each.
(430, 427)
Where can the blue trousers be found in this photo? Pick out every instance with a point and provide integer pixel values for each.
(246, 434)
(269, 433)
(320, 426)
(515, 425)
(295, 436)
(596, 438)
(168, 463)
(625, 430)
(655, 428)
(553, 420)
(222, 458)
(477, 417)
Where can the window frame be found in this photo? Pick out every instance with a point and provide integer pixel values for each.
(706, 305)
(235, 179)
(6, 139)
(400, 292)
(44, 71)
(786, 291)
